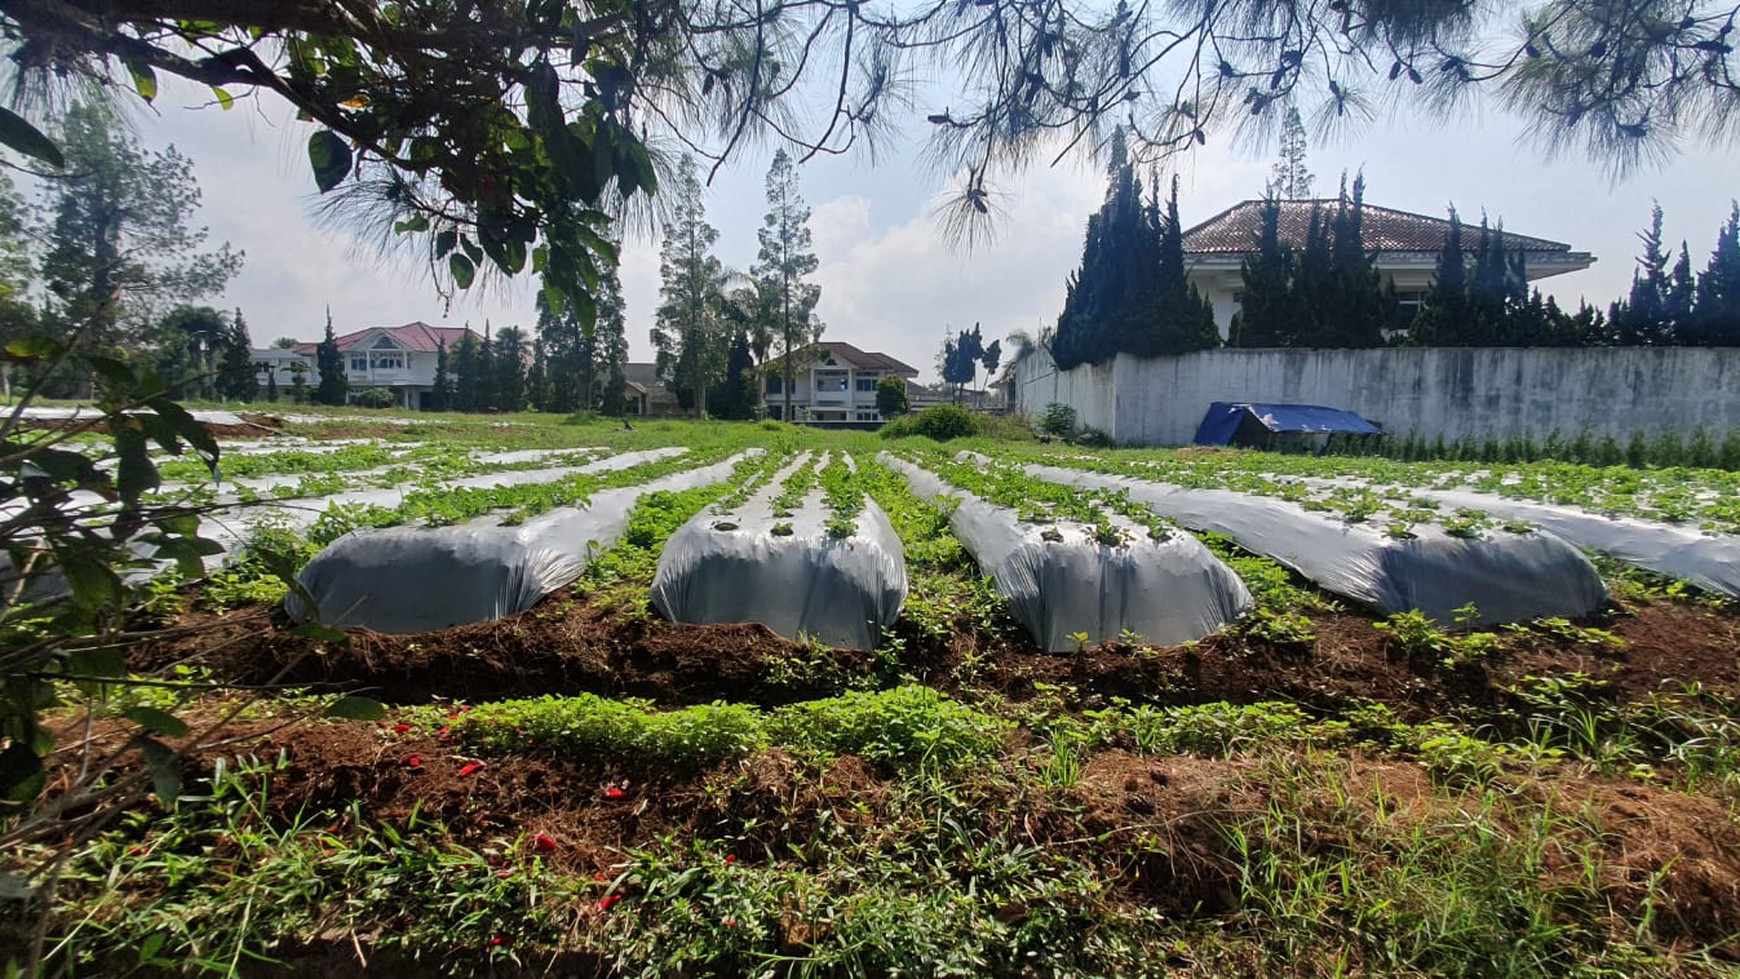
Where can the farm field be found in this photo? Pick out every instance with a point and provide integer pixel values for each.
(1115, 712)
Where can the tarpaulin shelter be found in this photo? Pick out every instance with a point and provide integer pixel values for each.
(1266, 425)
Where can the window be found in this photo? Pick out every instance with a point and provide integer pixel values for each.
(359, 363)
(830, 381)
(776, 385)
(869, 416)
(385, 343)
(394, 361)
(867, 384)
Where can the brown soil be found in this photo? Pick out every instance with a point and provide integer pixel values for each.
(571, 643)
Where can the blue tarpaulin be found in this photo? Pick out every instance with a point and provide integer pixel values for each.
(1222, 422)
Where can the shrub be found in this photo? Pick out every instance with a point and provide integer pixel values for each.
(1057, 420)
(940, 422)
(891, 398)
(376, 398)
(1093, 438)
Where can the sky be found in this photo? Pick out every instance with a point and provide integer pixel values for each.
(890, 280)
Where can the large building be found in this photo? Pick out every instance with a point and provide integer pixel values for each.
(1406, 247)
(834, 384)
(400, 359)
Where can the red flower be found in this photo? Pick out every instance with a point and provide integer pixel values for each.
(609, 901)
(464, 707)
(401, 728)
(469, 767)
(412, 761)
(544, 843)
(613, 792)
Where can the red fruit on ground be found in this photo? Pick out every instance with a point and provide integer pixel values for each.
(469, 767)
(614, 793)
(401, 728)
(544, 843)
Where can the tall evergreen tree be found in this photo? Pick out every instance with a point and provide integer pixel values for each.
(483, 391)
(1267, 316)
(1444, 314)
(237, 378)
(538, 377)
(610, 347)
(1289, 179)
(736, 397)
(329, 361)
(1358, 307)
(1645, 317)
(687, 334)
(787, 255)
(441, 390)
(1184, 320)
(509, 373)
(1716, 303)
(466, 370)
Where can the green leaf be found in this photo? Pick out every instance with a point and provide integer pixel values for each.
(445, 241)
(463, 270)
(416, 222)
(30, 141)
(94, 584)
(165, 770)
(225, 99)
(188, 427)
(30, 350)
(97, 662)
(158, 722)
(144, 78)
(356, 709)
(330, 156)
(21, 774)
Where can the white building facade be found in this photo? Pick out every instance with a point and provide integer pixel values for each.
(834, 384)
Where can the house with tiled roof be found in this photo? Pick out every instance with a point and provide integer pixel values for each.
(1405, 245)
(834, 383)
(400, 359)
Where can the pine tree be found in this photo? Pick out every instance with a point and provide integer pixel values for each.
(1109, 301)
(1359, 308)
(787, 255)
(441, 391)
(483, 392)
(537, 378)
(1289, 179)
(465, 367)
(737, 395)
(610, 347)
(1267, 316)
(1644, 317)
(334, 387)
(1444, 314)
(1184, 320)
(237, 378)
(686, 334)
(509, 370)
(1716, 303)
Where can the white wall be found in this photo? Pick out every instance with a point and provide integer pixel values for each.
(1448, 391)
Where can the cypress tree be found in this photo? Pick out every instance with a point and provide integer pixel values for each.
(329, 361)
(1360, 307)
(1444, 315)
(1266, 316)
(483, 388)
(465, 365)
(441, 391)
(1182, 321)
(237, 379)
(1644, 318)
(1716, 300)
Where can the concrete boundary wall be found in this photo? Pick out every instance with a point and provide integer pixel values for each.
(1448, 391)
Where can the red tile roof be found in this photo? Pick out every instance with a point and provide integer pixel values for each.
(863, 359)
(412, 336)
(1234, 230)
